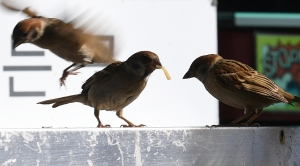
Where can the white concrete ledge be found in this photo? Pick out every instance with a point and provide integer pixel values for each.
(151, 146)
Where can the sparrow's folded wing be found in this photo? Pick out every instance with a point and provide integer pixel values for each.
(238, 76)
(101, 76)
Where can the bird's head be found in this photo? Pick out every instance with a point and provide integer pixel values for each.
(27, 31)
(143, 63)
(200, 66)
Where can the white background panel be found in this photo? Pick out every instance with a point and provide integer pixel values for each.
(178, 31)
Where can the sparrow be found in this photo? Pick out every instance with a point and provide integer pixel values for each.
(62, 39)
(238, 85)
(114, 87)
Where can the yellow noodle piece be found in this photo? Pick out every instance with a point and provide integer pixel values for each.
(166, 73)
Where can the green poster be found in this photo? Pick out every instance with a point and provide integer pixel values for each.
(278, 57)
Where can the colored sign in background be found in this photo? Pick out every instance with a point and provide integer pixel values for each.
(278, 57)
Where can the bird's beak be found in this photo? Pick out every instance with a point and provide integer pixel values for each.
(189, 74)
(155, 64)
(17, 43)
(158, 66)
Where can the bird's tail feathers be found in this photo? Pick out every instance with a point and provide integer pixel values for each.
(297, 99)
(26, 10)
(60, 101)
(291, 98)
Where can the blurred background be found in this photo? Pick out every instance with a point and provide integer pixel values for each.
(266, 36)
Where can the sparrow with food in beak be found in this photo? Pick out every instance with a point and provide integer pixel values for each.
(116, 86)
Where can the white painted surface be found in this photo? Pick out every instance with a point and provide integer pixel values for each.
(178, 31)
(207, 146)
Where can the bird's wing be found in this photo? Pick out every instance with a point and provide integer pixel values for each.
(240, 76)
(102, 51)
(62, 28)
(101, 76)
(94, 49)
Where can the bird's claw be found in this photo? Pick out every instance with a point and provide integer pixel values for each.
(62, 82)
(104, 126)
(228, 125)
(242, 124)
(132, 125)
(219, 125)
(254, 124)
(65, 75)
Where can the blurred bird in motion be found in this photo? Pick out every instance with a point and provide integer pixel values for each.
(238, 85)
(116, 86)
(62, 39)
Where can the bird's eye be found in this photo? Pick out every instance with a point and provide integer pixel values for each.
(24, 34)
(203, 69)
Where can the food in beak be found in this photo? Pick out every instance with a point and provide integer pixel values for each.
(165, 71)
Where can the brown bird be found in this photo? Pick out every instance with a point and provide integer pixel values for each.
(62, 39)
(238, 85)
(115, 87)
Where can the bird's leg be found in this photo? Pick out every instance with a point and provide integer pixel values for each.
(65, 74)
(120, 115)
(247, 112)
(100, 125)
(257, 113)
(70, 72)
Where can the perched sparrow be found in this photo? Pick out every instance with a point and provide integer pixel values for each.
(62, 39)
(237, 85)
(114, 87)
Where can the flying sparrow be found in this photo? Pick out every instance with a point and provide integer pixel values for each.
(238, 85)
(116, 86)
(62, 39)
